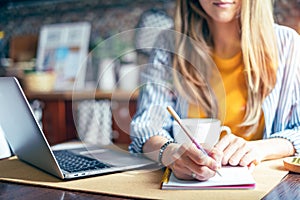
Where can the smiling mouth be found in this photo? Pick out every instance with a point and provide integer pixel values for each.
(223, 4)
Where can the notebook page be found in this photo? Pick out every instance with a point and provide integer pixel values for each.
(232, 177)
(4, 147)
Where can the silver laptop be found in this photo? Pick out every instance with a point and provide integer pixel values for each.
(29, 143)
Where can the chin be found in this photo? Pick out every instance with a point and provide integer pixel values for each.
(225, 19)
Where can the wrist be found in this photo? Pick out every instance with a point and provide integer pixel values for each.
(162, 152)
(283, 148)
(168, 156)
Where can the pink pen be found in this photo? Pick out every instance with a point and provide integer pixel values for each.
(186, 130)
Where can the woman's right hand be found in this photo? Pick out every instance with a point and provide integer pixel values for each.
(188, 162)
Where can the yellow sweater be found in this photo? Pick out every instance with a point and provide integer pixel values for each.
(233, 104)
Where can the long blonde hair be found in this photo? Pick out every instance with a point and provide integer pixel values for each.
(259, 50)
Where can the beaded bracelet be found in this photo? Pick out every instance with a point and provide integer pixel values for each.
(162, 149)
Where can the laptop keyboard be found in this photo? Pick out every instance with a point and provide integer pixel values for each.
(71, 162)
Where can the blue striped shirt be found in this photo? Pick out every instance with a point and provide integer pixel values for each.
(281, 107)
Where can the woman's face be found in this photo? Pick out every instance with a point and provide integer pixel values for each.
(221, 11)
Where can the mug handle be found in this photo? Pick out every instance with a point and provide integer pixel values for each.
(226, 129)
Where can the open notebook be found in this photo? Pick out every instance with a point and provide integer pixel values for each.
(232, 178)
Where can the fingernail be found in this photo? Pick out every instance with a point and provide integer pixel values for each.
(216, 166)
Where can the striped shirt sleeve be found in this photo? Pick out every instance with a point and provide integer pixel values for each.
(282, 106)
(156, 93)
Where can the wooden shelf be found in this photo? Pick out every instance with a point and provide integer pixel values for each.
(81, 95)
(58, 120)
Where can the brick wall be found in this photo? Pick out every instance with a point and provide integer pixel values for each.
(106, 17)
(287, 12)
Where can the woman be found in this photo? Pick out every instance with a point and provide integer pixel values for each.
(258, 63)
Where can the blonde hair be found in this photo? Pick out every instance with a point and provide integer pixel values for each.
(259, 50)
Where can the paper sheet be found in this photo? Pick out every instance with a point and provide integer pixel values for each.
(4, 148)
(232, 178)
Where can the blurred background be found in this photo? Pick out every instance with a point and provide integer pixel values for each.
(21, 22)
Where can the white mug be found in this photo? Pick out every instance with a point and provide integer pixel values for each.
(107, 79)
(205, 131)
(129, 77)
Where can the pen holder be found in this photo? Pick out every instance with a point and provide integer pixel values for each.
(39, 81)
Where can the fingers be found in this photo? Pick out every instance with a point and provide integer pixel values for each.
(235, 151)
(190, 170)
(238, 151)
(234, 148)
(200, 158)
(217, 155)
(237, 157)
(193, 161)
(203, 173)
(203, 168)
(250, 158)
(224, 142)
(181, 172)
(179, 166)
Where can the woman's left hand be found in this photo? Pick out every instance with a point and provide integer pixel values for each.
(238, 151)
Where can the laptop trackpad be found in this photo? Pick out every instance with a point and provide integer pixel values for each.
(116, 158)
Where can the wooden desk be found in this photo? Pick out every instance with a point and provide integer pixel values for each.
(58, 120)
(270, 176)
(287, 189)
(19, 191)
